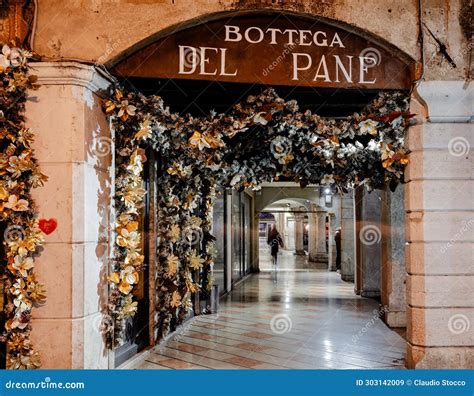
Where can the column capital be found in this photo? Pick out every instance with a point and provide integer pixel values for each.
(447, 101)
(299, 216)
(71, 73)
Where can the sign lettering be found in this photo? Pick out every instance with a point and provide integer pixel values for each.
(270, 51)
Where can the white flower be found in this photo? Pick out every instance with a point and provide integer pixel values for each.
(10, 57)
(235, 179)
(23, 264)
(4, 62)
(129, 275)
(258, 119)
(373, 145)
(126, 109)
(368, 126)
(327, 179)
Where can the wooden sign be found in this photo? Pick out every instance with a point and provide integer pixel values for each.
(270, 50)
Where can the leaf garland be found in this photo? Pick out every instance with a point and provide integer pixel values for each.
(260, 140)
(22, 239)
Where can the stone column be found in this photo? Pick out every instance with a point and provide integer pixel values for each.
(439, 228)
(299, 226)
(312, 234)
(332, 243)
(393, 290)
(281, 227)
(348, 249)
(74, 148)
(255, 238)
(369, 241)
(229, 240)
(317, 238)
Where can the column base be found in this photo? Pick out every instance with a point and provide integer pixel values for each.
(420, 357)
(300, 253)
(396, 318)
(319, 261)
(347, 278)
(370, 293)
(317, 265)
(319, 257)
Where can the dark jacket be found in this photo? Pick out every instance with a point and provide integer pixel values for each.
(275, 241)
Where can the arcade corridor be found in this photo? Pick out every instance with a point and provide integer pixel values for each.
(289, 318)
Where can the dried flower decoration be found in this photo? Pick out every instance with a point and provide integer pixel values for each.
(19, 173)
(198, 153)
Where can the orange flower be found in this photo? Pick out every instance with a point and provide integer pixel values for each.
(199, 141)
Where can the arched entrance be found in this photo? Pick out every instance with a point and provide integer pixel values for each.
(310, 63)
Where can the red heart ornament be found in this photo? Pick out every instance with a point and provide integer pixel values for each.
(48, 225)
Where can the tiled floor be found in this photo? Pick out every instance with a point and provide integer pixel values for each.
(292, 317)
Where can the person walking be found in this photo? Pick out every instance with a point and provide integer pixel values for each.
(337, 238)
(275, 241)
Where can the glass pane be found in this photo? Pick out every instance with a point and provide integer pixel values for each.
(236, 237)
(247, 236)
(218, 224)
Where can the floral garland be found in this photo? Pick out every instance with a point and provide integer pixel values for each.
(22, 238)
(260, 140)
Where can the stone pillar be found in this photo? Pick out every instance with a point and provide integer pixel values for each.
(369, 241)
(348, 246)
(393, 290)
(332, 243)
(281, 227)
(74, 149)
(299, 226)
(229, 240)
(255, 238)
(312, 234)
(439, 228)
(317, 238)
(290, 232)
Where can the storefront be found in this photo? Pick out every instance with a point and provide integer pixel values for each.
(329, 57)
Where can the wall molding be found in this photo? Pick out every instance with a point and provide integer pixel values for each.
(72, 73)
(447, 101)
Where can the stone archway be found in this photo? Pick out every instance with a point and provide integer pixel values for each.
(89, 88)
(90, 38)
(157, 60)
(308, 210)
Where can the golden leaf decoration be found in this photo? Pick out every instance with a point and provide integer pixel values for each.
(175, 299)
